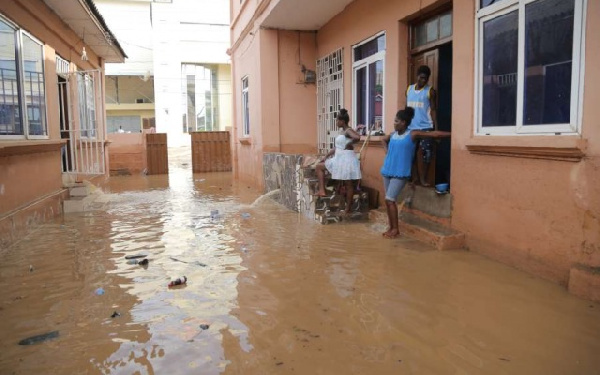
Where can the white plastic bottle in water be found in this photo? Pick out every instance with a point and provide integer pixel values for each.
(178, 281)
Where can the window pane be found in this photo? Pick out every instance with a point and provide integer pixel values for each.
(10, 119)
(445, 25)
(245, 108)
(432, 30)
(421, 35)
(370, 48)
(548, 61)
(376, 95)
(499, 68)
(485, 3)
(361, 96)
(33, 73)
(87, 106)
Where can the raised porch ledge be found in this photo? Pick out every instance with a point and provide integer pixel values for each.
(10, 148)
(570, 149)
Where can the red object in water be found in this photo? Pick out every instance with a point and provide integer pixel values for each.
(178, 281)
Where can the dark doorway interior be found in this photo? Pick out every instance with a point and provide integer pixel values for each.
(444, 112)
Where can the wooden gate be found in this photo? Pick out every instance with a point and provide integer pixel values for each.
(157, 157)
(211, 152)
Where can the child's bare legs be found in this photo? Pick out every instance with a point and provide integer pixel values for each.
(422, 168)
(320, 169)
(392, 211)
(349, 195)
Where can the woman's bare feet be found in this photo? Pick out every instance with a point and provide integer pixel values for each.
(392, 233)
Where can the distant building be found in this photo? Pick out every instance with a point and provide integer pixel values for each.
(178, 76)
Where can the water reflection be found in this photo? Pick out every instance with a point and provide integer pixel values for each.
(275, 293)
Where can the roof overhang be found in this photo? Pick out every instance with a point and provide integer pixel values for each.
(303, 14)
(85, 20)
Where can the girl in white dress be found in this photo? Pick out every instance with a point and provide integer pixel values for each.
(341, 161)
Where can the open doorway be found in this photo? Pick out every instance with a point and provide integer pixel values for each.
(431, 45)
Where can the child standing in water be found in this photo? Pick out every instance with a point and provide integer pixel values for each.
(400, 151)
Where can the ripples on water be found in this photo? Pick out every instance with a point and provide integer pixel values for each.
(280, 294)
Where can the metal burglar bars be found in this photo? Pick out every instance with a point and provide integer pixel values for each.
(330, 94)
(82, 123)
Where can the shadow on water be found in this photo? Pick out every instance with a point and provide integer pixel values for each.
(269, 291)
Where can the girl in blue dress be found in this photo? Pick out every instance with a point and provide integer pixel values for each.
(396, 170)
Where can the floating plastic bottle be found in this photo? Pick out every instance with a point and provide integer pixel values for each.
(143, 262)
(178, 281)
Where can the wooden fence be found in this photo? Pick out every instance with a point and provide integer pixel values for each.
(157, 157)
(211, 151)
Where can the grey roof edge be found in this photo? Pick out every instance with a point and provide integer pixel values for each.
(94, 10)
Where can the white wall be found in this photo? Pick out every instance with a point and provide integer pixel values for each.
(158, 38)
(130, 21)
(185, 31)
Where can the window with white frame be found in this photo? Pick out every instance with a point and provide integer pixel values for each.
(245, 108)
(368, 77)
(529, 70)
(22, 84)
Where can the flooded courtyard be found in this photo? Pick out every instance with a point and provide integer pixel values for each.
(269, 292)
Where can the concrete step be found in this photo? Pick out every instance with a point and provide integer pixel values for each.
(434, 234)
(584, 282)
(79, 190)
(78, 204)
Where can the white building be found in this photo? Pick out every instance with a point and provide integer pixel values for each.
(178, 76)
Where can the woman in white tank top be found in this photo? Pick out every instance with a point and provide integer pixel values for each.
(341, 161)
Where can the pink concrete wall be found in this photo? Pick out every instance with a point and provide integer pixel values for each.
(297, 101)
(127, 152)
(538, 215)
(26, 177)
(282, 111)
(247, 150)
(30, 176)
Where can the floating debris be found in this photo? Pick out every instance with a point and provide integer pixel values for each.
(99, 291)
(115, 314)
(197, 263)
(39, 338)
(143, 262)
(136, 256)
(204, 326)
(181, 280)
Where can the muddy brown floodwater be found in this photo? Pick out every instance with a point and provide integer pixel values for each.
(274, 292)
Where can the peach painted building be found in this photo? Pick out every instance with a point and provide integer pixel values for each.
(52, 115)
(515, 88)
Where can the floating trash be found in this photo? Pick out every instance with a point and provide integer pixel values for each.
(136, 256)
(39, 338)
(181, 280)
(214, 214)
(99, 291)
